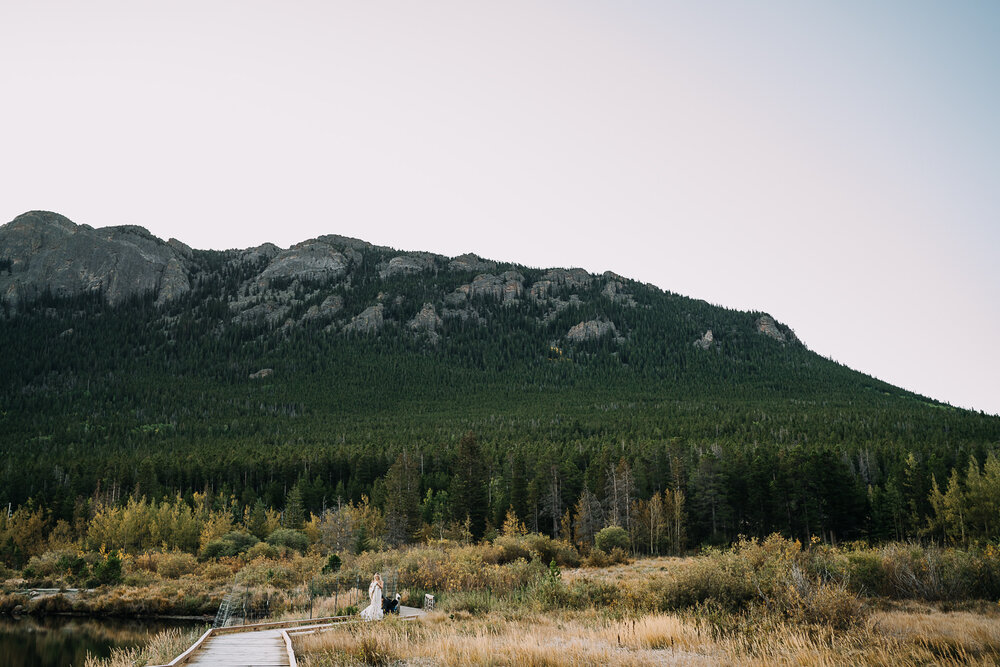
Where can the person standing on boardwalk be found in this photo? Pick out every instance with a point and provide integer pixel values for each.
(373, 612)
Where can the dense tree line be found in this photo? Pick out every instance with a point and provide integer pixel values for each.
(101, 407)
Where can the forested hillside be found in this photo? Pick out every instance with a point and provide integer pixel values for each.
(453, 389)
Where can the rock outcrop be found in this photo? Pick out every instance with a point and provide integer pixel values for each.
(571, 278)
(470, 262)
(555, 279)
(705, 341)
(47, 252)
(262, 254)
(310, 260)
(182, 248)
(370, 320)
(329, 308)
(592, 330)
(407, 264)
(427, 321)
(615, 291)
(268, 312)
(767, 326)
(507, 287)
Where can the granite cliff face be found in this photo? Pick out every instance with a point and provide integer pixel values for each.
(592, 330)
(45, 251)
(341, 285)
(768, 327)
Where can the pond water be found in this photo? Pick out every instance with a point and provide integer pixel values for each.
(58, 641)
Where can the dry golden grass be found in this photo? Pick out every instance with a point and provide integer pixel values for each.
(761, 603)
(889, 639)
(517, 631)
(961, 636)
(533, 640)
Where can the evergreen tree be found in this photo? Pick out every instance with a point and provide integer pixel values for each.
(468, 486)
(294, 511)
(518, 486)
(402, 502)
(257, 521)
(708, 500)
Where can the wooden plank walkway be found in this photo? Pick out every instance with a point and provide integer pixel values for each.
(261, 648)
(263, 645)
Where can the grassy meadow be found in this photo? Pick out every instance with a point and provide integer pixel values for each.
(759, 603)
(527, 599)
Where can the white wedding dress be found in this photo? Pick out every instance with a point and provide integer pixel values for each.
(373, 612)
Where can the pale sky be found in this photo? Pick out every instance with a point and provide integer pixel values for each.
(834, 164)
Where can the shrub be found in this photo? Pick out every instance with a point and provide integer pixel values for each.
(332, 564)
(509, 548)
(292, 539)
(597, 558)
(55, 563)
(612, 537)
(218, 549)
(10, 601)
(512, 547)
(931, 573)
(107, 571)
(241, 540)
(590, 593)
(722, 579)
(221, 569)
(50, 604)
(175, 564)
(566, 554)
(263, 550)
(865, 573)
(229, 545)
(600, 558)
(832, 605)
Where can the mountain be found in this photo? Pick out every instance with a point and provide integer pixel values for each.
(46, 252)
(136, 365)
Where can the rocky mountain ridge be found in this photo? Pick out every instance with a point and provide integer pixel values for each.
(42, 251)
(46, 253)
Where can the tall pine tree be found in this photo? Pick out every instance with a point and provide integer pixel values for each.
(468, 486)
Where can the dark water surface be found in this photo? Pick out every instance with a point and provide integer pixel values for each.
(64, 642)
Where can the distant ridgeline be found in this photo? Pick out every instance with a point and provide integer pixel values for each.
(137, 367)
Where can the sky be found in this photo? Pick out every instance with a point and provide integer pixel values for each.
(836, 165)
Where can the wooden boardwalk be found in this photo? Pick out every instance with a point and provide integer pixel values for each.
(261, 648)
(262, 645)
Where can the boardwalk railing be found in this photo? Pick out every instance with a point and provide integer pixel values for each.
(248, 603)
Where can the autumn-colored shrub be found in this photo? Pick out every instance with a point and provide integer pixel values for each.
(932, 573)
(600, 558)
(175, 564)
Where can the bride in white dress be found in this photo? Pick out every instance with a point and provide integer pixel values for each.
(373, 612)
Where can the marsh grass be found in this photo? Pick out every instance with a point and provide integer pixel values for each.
(896, 639)
(535, 639)
(161, 649)
(763, 602)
